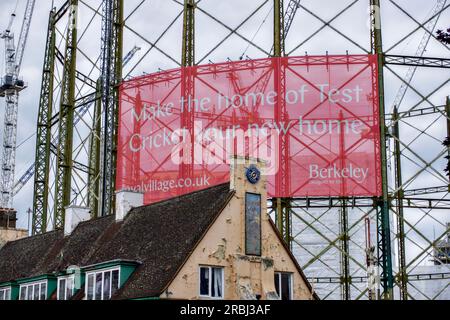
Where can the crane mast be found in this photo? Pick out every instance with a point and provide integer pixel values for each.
(10, 87)
(430, 26)
(29, 173)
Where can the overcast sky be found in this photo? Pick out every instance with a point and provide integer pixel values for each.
(155, 15)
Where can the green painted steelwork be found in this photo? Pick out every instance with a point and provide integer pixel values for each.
(112, 51)
(303, 208)
(447, 114)
(278, 29)
(94, 156)
(43, 137)
(344, 229)
(188, 49)
(64, 156)
(402, 277)
(282, 205)
(187, 85)
(384, 237)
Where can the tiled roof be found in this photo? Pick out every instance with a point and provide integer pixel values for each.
(160, 236)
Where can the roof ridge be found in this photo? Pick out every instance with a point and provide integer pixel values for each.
(94, 219)
(161, 202)
(35, 236)
(56, 230)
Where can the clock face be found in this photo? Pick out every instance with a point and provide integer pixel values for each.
(253, 174)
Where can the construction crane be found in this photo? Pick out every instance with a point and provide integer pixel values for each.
(430, 26)
(289, 15)
(29, 173)
(11, 86)
(130, 55)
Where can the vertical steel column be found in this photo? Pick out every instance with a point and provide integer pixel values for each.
(278, 30)
(283, 205)
(344, 235)
(187, 86)
(188, 53)
(345, 261)
(370, 263)
(112, 40)
(447, 113)
(94, 155)
(137, 127)
(43, 134)
(402, 275)
(66, 115)
(384, 241)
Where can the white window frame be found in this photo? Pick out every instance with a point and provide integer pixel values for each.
(6, 291)
(210, 282)
(27, 286)
(66, 278)
(102, 272)
(291, 283)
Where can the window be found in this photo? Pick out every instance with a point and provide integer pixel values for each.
(101, 285)
(211, 282)
(253, 224)
(66, 288)
(283, 285)
(33, 291)
(5, 294)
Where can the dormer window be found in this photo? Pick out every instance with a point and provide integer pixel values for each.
(66, 287)
(5, 293)
(33, 291)
(104, 279)
(101, 285)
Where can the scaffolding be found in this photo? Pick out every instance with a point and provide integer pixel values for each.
(75, 161)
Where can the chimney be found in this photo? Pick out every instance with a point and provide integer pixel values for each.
(8, 229)
(7, 218)
(127, 200)
(75, 215)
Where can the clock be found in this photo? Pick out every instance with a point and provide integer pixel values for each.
(253, 174)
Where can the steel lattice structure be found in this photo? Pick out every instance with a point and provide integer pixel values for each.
(77, 125)
(10, 88)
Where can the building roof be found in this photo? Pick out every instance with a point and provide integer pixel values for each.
(160, 236)
(52, 252)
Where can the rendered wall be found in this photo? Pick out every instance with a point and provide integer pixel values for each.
(245, 276)
(7, 235)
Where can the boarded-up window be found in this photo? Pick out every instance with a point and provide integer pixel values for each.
(253, 224)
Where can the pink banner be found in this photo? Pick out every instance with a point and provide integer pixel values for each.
(313, 119)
